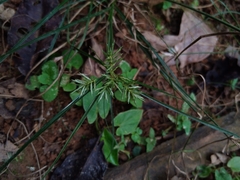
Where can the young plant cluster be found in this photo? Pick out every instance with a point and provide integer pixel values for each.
(47, 82)
(183, 122)
(116, 83)
(231, 172)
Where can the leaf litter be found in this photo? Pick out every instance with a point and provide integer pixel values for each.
(191, 28)
(28, 14)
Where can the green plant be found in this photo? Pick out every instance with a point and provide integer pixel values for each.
(46, 82)
(220, 173)
(233, 83)
(183, 122)
(127, 129)
(164, 70)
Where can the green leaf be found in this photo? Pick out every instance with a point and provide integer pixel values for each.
(125, 66)
(203, 171)
(34, 83)
(76, 60)
(50, 68)
(64, 80)
(166, 5)
(234, 164)
(171, 118)
(233, 83)
(51, 94)
(110, 154)
(127, 121)
(126, 70)
(104, 107)
(120, 96)
(152, 133)
(222, 174)
(87, 101)
(137, 103)
(69, 87)
(45, 79)
(185, 107)
(151, 143)
(186, 125)
(74, 95)
(136, 150)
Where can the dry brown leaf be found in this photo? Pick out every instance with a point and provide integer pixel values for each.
(161, 44)
(191, 28)
(6, 149)
(90, 66)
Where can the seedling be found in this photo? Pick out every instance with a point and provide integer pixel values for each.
(49, 74)
(183, 122)
(127, 126)
(230, 172)
(233, 83)
(151, 140)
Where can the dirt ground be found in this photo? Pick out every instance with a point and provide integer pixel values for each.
(22, 113)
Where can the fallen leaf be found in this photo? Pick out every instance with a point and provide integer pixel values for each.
(6, 150)
(29, 13)
(91, 67)
(191, 28)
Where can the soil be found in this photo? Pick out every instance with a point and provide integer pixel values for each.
(23, 113)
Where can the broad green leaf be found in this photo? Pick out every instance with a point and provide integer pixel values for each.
(76, 60)
(136, 102)
(87, 101)
(125, 67)
(131, 74)
(186, 125)
(203, 171)
(69, 87)
(50, 68)
(64, 80)
(120, 96)
(51, 94)
(34, 83)
(127, 121)
(127, 71)
(222, 174)
(45, 79)
(104, 107)
(234, 164)
(74, 95)
(110, 154)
